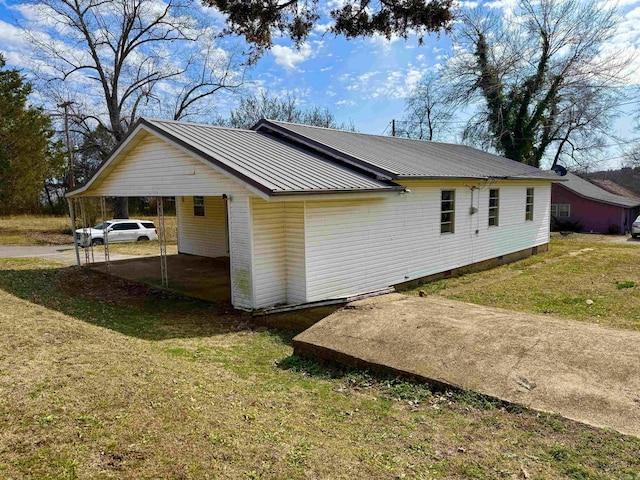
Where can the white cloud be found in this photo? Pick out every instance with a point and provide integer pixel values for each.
(624, 46)
(322, 27)
(14, 45)
(345, 103)
(288, 57)
(381, 41)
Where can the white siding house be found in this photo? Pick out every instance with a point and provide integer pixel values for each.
(308, 214)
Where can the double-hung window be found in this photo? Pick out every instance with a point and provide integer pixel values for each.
(561, 210)
(198, 206)
(528, 215)
(447, 211)
(494, 207)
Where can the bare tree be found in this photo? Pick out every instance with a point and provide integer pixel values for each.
(546, 84)
(255, 107)
(120, 58)
(428, 109)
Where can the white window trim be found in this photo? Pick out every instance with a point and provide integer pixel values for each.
(533, 202)
(497, 208)
(452, 212)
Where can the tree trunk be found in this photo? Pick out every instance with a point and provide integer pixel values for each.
(121, 207)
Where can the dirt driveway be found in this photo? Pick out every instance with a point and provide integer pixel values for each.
(582, 371)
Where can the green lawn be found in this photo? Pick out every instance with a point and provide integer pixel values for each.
(106, 379)
(583, 277)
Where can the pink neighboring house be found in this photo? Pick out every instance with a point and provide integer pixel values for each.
(597, 209)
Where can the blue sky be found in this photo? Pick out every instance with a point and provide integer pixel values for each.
(363, 80)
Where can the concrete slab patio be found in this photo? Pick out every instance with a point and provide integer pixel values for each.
(200, 277)
(581, 371)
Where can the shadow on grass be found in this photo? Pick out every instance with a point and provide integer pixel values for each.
(396, 387)
(127, 307)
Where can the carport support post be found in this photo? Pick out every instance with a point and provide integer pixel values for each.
(103, 209)
(72, 213)
(162, 239)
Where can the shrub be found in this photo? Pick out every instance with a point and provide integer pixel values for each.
(613, 230)
(558, 225)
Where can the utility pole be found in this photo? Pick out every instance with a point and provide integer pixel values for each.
(393, 128)
(66, 105)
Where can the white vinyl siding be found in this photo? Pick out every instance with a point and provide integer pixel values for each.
(240, 245)
(295, 252)
(154, 167)
(278, 249)
(363, 245)
(202, 235)
(269, 262)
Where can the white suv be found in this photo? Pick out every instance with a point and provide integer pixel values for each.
(635, 228)
(128, 230)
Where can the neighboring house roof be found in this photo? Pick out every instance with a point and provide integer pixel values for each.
(403, 158)
(613, 187)
(588, 190)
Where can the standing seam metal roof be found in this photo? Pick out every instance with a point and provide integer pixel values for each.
(409, 158)
(586, 189)
(266, 162)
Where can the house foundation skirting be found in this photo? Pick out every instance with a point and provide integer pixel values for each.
(474, 267)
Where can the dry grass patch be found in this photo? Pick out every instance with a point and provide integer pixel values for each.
(51, 230)
(35, 230)
(104, 378)
(579, 278)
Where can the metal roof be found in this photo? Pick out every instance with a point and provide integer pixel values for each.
(586, 189)
(613, 187)
(402, 158)
(265, 162)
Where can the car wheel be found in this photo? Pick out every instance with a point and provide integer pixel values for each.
(143, 239)
(634, 235)
(97, 241)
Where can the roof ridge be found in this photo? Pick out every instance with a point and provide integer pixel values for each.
(196, 124)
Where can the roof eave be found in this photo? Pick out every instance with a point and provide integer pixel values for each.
(282, 193)
(587, 197)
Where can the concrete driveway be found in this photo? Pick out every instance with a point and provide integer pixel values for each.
(581, 371)
(64, 254)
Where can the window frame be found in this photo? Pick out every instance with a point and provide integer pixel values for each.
(529, 205)
(199, 206)
(559, 209)
(451, 211)
(496, 208)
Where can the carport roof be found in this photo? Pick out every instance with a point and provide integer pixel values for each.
(267, 163)
(403, 158)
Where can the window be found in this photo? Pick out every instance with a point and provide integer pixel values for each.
(148, 225)
(125, 226)
(198, 206)
(529, 207)
(494, 206)
(447, 211)
(561, 210)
